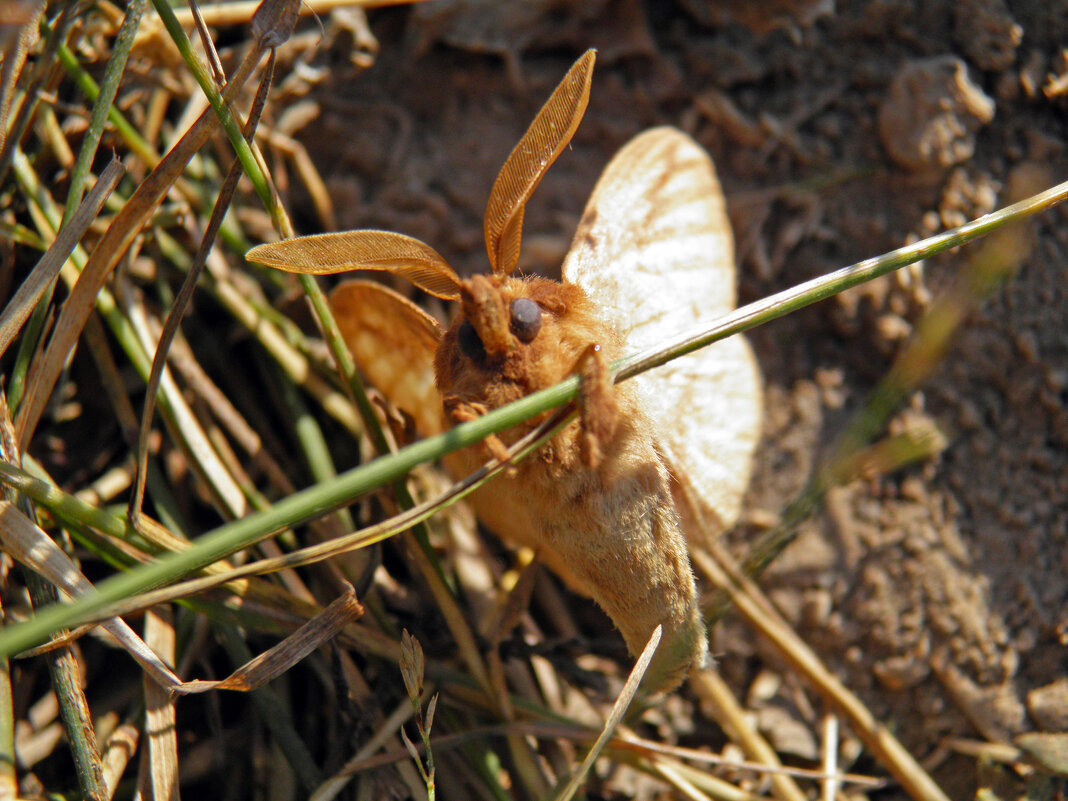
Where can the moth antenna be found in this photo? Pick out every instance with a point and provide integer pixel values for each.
(323, 254)
(544, 140)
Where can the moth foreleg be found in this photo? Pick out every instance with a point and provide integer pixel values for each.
(461, 411)
(597, 405)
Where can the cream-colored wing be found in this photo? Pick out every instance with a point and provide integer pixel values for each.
(393, 342)
(654, 250)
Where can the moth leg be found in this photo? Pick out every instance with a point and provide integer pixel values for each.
(461, 411)
(597, 405)
(401, 424)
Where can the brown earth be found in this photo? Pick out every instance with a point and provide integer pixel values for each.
(937, 592)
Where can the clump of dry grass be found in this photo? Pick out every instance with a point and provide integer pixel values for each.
(176, 510)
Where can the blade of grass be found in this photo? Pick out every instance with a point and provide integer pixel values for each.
(619, 709)
(109, 86)
(710, 687)
(34, 287)
(255, 673)
(161, 730)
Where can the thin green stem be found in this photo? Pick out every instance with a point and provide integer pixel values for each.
(73, 708)
(116, 65)
(274, 712)
(8, 777)
(226, 118)
(825, 286)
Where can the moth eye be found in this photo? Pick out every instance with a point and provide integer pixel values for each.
(526, 319)
(470, 344)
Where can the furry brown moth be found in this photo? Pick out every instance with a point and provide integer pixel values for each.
(652, 464)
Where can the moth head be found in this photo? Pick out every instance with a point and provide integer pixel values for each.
(520, 334)
(497, 319)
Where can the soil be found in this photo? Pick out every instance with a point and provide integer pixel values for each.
(937, 592)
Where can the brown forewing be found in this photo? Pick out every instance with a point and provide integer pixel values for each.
(393, 342)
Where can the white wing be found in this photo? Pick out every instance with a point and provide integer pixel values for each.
(654, 250)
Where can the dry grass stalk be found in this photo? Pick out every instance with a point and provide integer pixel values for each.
(759, 612)
(159, 779)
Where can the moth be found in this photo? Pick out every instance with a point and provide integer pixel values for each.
(652, 464)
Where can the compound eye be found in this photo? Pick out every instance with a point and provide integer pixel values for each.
(470, 344)
(526, 319)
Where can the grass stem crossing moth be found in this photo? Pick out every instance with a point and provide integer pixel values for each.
(653, 463)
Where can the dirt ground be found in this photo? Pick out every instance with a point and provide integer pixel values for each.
(937, 592)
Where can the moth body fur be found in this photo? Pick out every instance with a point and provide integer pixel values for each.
(610, 528)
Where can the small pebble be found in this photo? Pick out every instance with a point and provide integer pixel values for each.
(931, 114)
